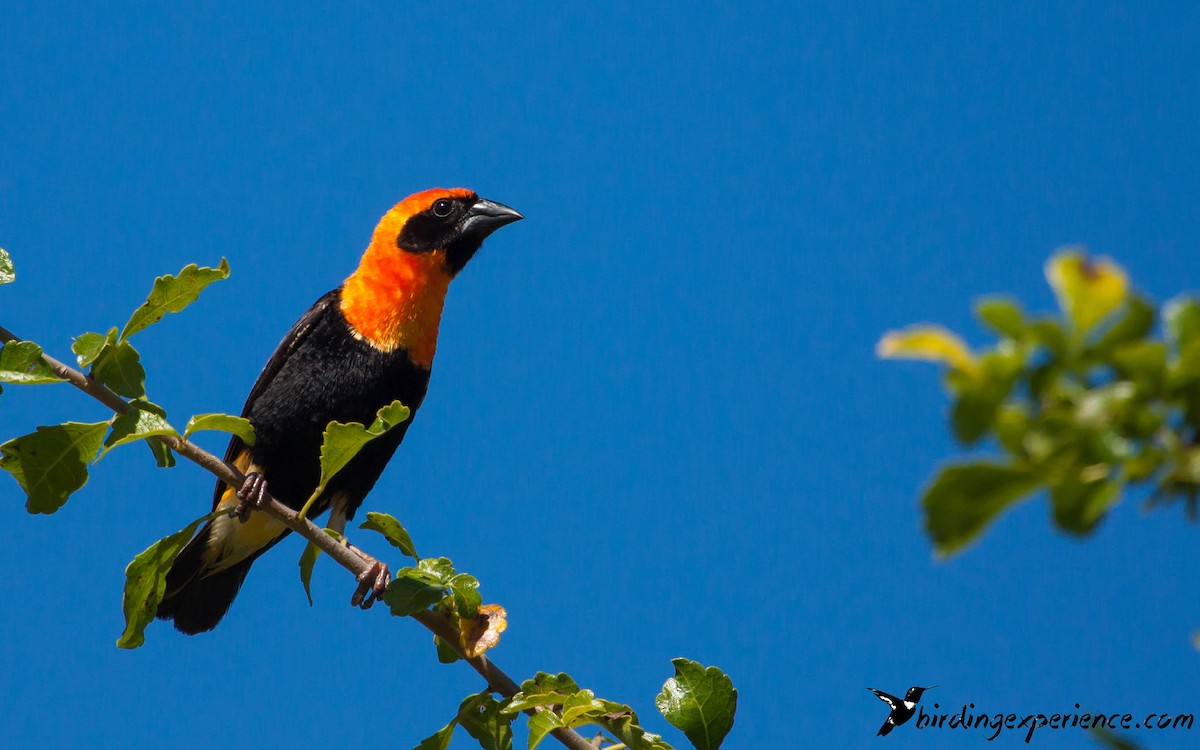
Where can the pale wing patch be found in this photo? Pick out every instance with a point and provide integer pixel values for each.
(232, 540)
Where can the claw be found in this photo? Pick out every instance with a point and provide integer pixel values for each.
(251, 495)
(372, 582)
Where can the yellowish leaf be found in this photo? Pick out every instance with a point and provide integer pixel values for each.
(928, 342)
(1088, 289)
(482, 632)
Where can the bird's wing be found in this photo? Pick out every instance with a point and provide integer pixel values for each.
(292, 340)
(891, 700)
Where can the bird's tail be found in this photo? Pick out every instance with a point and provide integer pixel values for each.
(209, 570)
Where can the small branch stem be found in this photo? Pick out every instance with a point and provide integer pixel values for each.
(342, 554)
(311, 499)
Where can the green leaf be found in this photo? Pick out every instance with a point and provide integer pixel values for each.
(1049, 333)
(51, 462)
(972, 415)
(699, 702)
(7, 274)
(543, 682)
(308, 559)
(439, 740)
(578, 707)
(407, 595)
(582, 707)
(1181, 319)
(965, 498)
(89, 346)
(524, 701)
(146, 582)
(980, 395)
(21, 362)
(626, 729)
(1011, 425)
(1145, 362)
(465, 590)
(543, 690)
(120, 368)
(480, 715)
(541, 724)
(927, 342)
(392, 531)
(342, 442)
(1137, 321)
(1002, 315)
(438, 569)
(223, 422)
(171, 294)
(1144, 465)
(446, 654)
(1087, 289)
(145, 420)
(162, 454)
(1079, 504)
(1186, 369)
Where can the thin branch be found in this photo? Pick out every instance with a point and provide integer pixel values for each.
(342, 554)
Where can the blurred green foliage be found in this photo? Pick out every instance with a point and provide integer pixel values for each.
(1082, 404)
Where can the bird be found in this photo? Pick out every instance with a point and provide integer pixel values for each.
(361, 346)
(902, 710)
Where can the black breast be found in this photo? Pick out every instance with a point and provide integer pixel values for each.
(325, 373)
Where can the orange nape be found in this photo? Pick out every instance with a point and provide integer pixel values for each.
(394, 299)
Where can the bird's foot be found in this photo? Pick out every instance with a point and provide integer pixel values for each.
(251, 495)
(371, 583)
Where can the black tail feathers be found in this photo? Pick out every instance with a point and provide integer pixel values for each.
(196, 599)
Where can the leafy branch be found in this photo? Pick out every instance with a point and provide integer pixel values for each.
(52, 463)
(1102, 397)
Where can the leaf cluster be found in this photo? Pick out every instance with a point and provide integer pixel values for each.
(1082, 404)
(112, 358)
(434, 584)
(52, 462)
(698, 701)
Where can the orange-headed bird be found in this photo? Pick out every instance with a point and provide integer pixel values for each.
(358, 348)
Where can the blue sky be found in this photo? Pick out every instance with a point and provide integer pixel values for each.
(656, 425)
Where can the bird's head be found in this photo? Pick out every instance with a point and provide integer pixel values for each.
(914, 693)
(394, 298)
(449, 224)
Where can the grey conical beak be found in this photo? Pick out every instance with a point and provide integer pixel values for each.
(485, 217)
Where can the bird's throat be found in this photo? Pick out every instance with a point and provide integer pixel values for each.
(394, 301)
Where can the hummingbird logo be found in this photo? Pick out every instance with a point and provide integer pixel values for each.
(902, 710)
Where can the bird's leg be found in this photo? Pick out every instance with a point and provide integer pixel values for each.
(251, 495)
(372, 582)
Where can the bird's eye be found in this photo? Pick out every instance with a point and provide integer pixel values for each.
(443, 208)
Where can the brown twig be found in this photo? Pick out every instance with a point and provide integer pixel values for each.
(342, 554)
